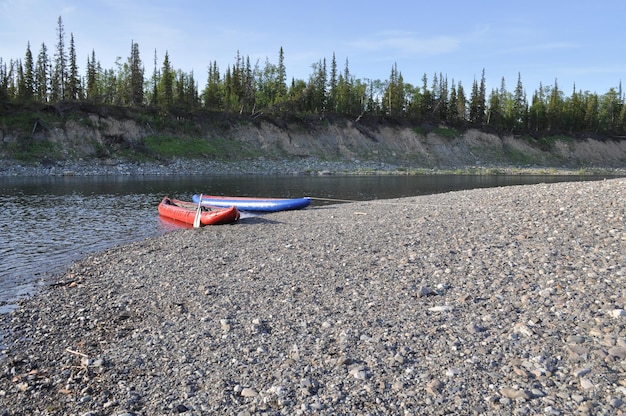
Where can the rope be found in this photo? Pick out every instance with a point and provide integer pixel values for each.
(334, 199)
(379, 201)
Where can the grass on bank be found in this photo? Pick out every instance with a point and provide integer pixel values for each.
(29, 150)
(165, 146)
(446, 132)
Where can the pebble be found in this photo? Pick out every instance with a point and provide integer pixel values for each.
(514, 394)
(506, 305)
(260, 166)
(249, 392)
(618, 352)
(441, 308)
(581, 372)
(586, 384)
(575, 339)
(424, 291)
(618, 313)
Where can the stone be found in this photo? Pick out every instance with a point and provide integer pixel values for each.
(523, 329)
(424, 291)
(441, 308)
(618, 352)
(249, 392)
(514, 394)
(575, 339)
(434, 387)
(586, 384)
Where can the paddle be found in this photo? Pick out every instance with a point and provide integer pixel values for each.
(196, 220)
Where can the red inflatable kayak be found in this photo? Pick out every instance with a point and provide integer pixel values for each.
(186, 212)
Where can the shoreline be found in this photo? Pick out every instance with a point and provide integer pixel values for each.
(262, 166)
(490, 301)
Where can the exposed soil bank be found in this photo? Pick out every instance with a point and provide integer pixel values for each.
(106, 136)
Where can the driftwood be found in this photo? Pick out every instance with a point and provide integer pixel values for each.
(39, 123)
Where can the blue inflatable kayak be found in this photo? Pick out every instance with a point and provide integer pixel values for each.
(244, 203)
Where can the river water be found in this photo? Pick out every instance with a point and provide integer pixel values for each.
(48, 222)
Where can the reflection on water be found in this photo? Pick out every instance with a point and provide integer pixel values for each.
(45, 232)
(49, 222)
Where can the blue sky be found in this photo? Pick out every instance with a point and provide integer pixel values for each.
(573, 42)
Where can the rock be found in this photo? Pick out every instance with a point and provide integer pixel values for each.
(441, 308)
(424, 291)
(359, 373)
(249, 392)
(586, 384)
(523, 329)
(434, 387)
(514, 394)
(577, 351)
(575, 339)
(618, 352)
(472, 328)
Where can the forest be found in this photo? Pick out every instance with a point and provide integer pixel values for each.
(246, 88)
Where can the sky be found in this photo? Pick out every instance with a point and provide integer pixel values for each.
(573, 43)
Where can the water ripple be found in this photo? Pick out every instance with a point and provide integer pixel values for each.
(43, 238)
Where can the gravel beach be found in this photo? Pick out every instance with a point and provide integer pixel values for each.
(260, 166)
(490, 302)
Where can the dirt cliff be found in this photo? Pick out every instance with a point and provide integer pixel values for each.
(98, 135)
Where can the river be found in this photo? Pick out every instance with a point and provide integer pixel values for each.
(48, 222)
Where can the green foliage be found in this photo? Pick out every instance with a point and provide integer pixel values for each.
(420, 131)
(547, 143)
(19, 121)
(446, 132)
(28, 121)
(169, 146)
(517, 157)
(196, 148)
(29, 150)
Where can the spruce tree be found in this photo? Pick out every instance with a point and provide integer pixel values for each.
(554, 109)
(91, 92)
(73, 78)
(427, 104)
(452, 116)
(482, 98)
(4, 82)
(59, 73)
(167, 82)
(154, 96)
(332, 86)
(136, 75)
(29, 81)
(591, 113)
(520, 105)
(443, 98)
(475, 107)
(282, 76)
(42, 74)
(212, 95)
(461, 107)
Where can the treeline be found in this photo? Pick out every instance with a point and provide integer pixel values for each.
(53, 77)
